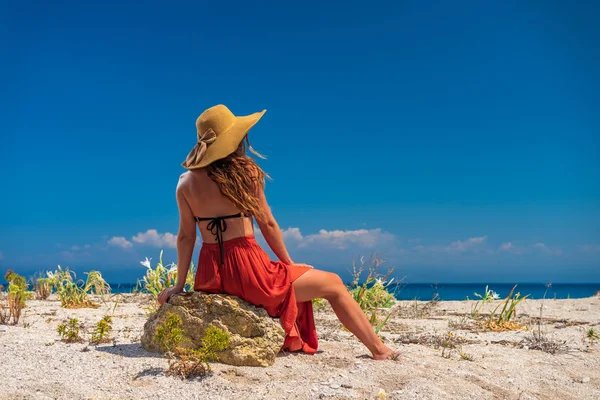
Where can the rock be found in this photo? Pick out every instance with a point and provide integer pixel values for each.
(255, 337)
(585, 379)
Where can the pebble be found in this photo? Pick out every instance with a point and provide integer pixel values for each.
(334, 386)
(585, 379)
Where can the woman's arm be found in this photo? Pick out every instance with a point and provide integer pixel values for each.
(186, 237)
(269, 228)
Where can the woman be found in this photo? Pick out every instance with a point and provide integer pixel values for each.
(220, 194)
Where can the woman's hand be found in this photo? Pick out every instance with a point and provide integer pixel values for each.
(164, 296)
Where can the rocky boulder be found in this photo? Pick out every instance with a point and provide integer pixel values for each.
(255, 337)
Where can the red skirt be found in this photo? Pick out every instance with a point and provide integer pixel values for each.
(248, 273)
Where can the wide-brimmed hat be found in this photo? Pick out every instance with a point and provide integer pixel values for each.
(219, 134)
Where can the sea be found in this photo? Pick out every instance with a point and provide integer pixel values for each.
(464, 291)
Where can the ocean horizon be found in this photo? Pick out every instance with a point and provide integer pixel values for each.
(464, 291)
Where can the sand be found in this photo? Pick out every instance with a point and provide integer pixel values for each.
(37, 365)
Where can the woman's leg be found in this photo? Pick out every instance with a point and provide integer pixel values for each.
(315, 283)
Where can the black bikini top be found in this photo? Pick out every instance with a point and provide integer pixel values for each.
(217, 226)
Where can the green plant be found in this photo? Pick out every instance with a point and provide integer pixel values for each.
(74, 293)
(377, 322)
(102, 331)
(162, 277)
(374, 292)
(214, 341)
(487, 297)
(43, 288)
(318, 304)
(4, 315)
(17, 294)
(95, 284)
(69, 331)
(169, 334)
(186, 363)
(505, 319)
(592, 336)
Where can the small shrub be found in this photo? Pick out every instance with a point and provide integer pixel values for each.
(162, 277)
(188, 363)
(4, 315)
(17, 294)
(74, 293)
(487, 297)
(592, 336)
(505, 319)
(214, 341)
(169, 334)
(69, 331)
(102, 331)
(374, 291)
(544, 343)
(43, 288)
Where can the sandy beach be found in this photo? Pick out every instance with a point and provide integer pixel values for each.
(445, 356)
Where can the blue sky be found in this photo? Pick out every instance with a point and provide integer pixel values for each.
(459, 141)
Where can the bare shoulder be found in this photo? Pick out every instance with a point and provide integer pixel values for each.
(183, 181)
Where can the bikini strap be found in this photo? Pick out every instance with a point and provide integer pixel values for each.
(217, 226)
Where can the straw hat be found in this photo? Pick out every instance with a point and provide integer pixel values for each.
(219, 134)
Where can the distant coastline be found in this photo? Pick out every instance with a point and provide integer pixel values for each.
(462, 291)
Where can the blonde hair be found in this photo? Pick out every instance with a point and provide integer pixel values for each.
(239, 178)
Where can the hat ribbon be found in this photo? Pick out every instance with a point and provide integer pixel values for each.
(195, 156)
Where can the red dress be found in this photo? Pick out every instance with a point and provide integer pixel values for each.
(246, 271)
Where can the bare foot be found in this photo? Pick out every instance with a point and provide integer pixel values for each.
(387, 354)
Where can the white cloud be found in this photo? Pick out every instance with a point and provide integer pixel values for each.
(547, 249)
(510, 247)
(462, 246)
(87, 246)
(343, 239)
(75, 248)
(153, 238)
(292, 234)
(338, 239)
(474, 244)
(120, 241)
(586, 248)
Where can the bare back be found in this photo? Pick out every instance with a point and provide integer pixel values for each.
(206, 201)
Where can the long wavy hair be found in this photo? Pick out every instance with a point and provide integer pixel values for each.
(239, 178)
